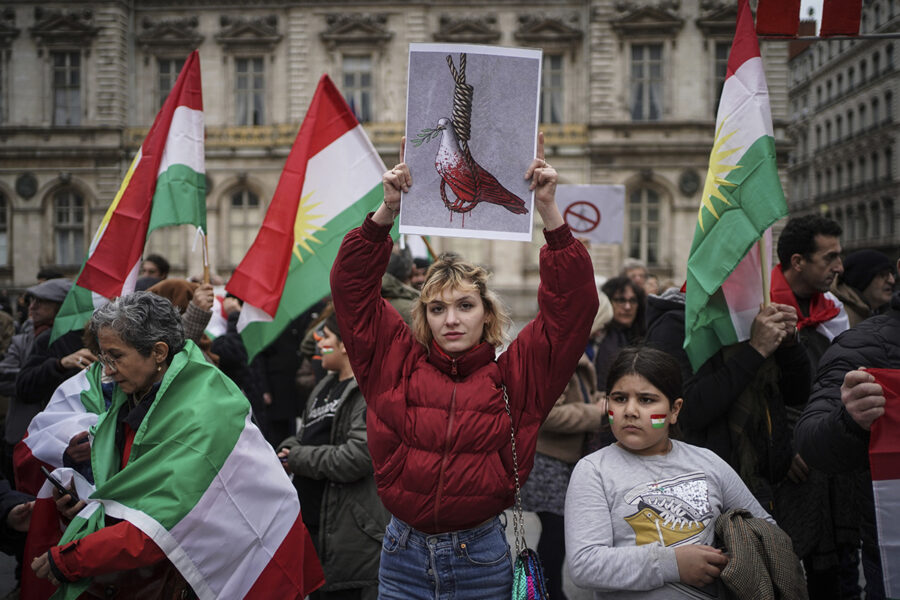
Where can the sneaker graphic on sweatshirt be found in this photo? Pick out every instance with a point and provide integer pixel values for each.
(670, 511)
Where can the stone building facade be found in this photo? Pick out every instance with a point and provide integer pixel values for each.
(629, 96)
(843, 112)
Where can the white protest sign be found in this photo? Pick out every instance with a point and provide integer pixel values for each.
(593, 212)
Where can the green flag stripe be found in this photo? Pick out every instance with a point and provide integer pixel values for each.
(179, 199)
(184, 471)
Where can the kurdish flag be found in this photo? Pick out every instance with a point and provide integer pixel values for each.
(165, 185)
(741, 199)
(658, 421)
(203, 483)
(331, 180)
(884, 462)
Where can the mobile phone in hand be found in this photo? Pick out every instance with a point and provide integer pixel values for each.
(63, 490)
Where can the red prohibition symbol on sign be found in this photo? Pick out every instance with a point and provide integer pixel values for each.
(582, 217)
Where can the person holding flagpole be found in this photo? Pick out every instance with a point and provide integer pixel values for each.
(441, 404)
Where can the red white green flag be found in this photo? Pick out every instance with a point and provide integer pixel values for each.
(234, 528)
(884, 462)
(331, 180)
(165, 185)
(741, 199)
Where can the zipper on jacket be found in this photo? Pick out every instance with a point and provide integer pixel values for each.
(446, 452)
(453, 370)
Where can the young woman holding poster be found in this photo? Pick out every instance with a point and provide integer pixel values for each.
(439, 431)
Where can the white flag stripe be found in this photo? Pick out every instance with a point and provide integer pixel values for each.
(251, 314)
(51, 429)
(887, 512)
(227, 510)
(743, 289)
(184, 144)
(336, 184)
(744, 94)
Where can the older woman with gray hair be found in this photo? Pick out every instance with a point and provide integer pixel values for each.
(187, 493)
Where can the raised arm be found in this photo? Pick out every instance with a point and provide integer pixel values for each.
(370, 327)
(540, 361)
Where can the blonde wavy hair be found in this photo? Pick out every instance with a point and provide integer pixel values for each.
(450, 272)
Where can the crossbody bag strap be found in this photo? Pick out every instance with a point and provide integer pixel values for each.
(518, 516)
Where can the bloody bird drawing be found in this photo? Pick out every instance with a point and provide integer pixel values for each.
(468, 181)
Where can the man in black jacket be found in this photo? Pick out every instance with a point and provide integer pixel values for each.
(833, 432)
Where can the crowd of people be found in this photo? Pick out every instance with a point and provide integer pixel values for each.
(419, 419)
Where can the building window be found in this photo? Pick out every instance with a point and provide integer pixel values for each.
(887, 222)
(862, 71)
(644, 217)
(839, 127)
(244, 218)
(68, 225)
(850, 180)
(646, 82)
(4, 230)
(862, 117)
(876, 113)
(552, 89)
(839, 172)
(827, 132)
(818, 136)
(876, 64)
(862, 222)
(249, 90)
(850, 74)
(358, 89)
(850, 122)
(66, 88)
(889, 57)
(874, 166)
(722, 50)
(888, 108)
(888, 164)
(169, 68)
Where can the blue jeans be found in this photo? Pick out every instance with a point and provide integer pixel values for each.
(472, 564)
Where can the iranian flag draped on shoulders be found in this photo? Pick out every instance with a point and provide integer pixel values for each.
(164, 185)
(331, 180)
(728, 271)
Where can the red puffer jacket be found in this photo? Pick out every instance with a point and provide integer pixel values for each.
(438, 430)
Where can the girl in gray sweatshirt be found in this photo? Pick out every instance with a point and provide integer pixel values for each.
(640, 514)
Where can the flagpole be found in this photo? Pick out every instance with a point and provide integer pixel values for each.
(430, 249)
(763, 268)
(205, 260)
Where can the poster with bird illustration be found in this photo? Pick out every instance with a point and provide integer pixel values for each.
(471, 133)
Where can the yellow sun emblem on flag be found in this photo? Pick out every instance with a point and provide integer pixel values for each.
(717, 167)
(304, 228)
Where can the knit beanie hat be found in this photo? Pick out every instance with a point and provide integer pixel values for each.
(861, 267)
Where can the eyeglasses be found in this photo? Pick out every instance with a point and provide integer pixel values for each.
(110, 363)
(623, 301)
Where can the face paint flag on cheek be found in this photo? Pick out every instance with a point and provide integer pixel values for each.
(610, 417)
(658, 421)
(324, 350)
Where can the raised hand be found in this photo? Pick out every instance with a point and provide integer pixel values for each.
(862, 398)
(543, 182)
(393, 182)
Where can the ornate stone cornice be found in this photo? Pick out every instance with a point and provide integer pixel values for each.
(643, 20)
(717, 19)
(161, 35)
(356, 30)
(539, 30)
(259, 34)
(468, 30)
(8, 29)
(55, 28)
